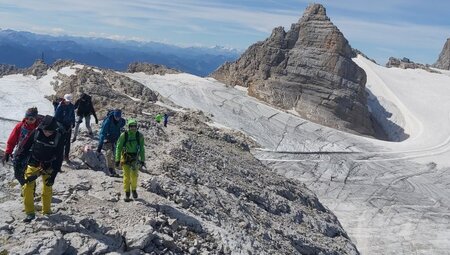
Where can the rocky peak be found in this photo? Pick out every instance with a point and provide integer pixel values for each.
(444, 58)
(308, 69)
(38, 69)
(314, 12)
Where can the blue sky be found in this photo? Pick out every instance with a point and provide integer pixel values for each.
(415, 29)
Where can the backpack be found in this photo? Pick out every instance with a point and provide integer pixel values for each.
(41, 150)
(110, 113)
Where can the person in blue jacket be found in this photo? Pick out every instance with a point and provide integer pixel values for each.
(108, 135)
(65, 115)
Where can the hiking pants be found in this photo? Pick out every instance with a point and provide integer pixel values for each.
(28, 192)
(67, 142)
(130, 176)
(87, 121)
(110, 152)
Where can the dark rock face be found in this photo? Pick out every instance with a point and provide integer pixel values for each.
(444, 58)
(150, 69)
(308, 69)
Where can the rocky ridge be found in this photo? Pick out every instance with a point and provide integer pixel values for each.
(150, 69)
(406, 63)
(202, 193)
(307, 69)
(443, 61)
(8, 69)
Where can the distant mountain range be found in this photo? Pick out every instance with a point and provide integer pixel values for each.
(21, 49)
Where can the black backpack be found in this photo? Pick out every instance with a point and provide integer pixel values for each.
(45, 151)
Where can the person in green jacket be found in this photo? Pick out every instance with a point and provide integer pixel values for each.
(130, 153)
(158, 118)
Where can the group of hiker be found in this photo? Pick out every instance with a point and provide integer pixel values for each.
(38, 145)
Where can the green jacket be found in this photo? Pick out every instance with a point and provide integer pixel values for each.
(158, 118)
(131, 146)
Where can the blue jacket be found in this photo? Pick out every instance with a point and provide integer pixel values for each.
(110, 130)
(65, 114)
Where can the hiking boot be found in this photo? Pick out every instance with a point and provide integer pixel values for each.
(29, 218)
(66, 158)
(113, 173)
(134, 194)
(127, 197)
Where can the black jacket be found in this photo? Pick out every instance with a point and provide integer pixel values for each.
(84, 106)
(47, 157)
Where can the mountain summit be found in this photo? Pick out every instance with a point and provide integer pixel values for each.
(444, 58)
(308, 69)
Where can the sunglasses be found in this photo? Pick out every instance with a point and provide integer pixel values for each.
(31, 118)
(132, 126)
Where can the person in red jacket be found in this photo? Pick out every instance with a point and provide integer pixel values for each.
(18, 136)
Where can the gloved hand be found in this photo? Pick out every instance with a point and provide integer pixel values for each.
(31, 178)
(142, 163)
(73, 125)
(5, 158)
(96, 121)
(21, 181)
(50, 181)
(117, 164)
(99, 150)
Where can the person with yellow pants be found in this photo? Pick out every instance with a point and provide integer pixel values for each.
(45, 147)
(130, 153)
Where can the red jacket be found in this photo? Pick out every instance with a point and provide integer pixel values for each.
(19, 133)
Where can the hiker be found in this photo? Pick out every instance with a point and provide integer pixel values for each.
(108, 135)
(84, 109)
(166, 119)
(158, 118)
(65, 115)
(18, 136)
(56, 102)
(45, 149)
(130, 154)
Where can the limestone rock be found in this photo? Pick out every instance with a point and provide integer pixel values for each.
(45, 242)
(150, 69)
(406, 63)
(38, 69)
(7, 69)
(139, 237)
(60, 63)
(308, 69)
(444, 58)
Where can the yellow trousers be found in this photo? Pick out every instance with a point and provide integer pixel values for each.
(130, 177)
(28, 192)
